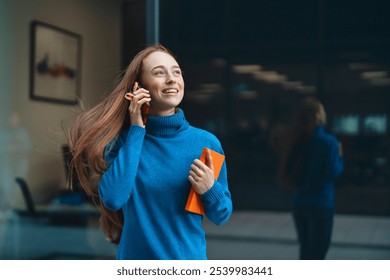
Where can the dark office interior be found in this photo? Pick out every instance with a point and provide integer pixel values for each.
(247, 63)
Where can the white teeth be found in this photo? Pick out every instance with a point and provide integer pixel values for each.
(170, 90)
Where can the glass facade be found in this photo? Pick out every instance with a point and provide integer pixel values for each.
(246, 63)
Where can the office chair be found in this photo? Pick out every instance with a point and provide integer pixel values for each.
(62, 215)
(55, 216)
(31, 211)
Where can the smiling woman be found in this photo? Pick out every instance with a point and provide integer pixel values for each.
(146, 169)
(161, 76)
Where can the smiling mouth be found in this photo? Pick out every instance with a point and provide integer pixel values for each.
(170, 91)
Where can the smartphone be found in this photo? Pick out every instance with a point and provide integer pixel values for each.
(145, 107)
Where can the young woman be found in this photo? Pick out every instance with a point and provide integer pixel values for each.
(145, 165)
(309, 165)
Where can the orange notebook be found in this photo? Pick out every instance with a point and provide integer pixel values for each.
(194, 203)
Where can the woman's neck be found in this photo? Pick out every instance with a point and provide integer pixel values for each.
(162, 113)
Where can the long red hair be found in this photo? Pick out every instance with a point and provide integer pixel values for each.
(93, 129)
(308, 113)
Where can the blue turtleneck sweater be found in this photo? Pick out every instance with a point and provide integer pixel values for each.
(324, 164)
(148, 179)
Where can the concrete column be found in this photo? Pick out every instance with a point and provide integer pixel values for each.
(152, 22)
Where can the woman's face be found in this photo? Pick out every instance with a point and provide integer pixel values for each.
(162, 76)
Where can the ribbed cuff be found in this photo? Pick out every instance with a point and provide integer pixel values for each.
(213, 195)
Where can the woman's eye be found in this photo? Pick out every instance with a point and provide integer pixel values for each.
(159, 73)
(177, 72)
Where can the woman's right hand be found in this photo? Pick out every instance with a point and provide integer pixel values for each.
(137, 98)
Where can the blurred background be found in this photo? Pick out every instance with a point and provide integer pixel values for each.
(245, 63)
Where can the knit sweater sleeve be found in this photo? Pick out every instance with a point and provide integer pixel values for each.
(217, 200)
(123, 157)
(335, 164)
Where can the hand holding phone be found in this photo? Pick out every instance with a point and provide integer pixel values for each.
(144, 108)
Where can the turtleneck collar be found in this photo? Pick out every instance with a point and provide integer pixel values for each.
(167, 125)
(319, 129)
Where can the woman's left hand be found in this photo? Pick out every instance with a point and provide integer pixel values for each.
(202, 175)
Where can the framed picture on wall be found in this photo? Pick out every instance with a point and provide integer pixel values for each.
(55, 66)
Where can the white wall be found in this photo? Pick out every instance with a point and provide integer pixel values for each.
(98, 23)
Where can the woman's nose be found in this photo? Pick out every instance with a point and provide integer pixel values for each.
(170, 79)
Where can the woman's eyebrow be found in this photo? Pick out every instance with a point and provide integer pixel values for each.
(161, 66)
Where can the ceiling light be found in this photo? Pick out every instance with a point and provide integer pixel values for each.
(373, 75)
(292, 85)
(246, 68)
(271, 77)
